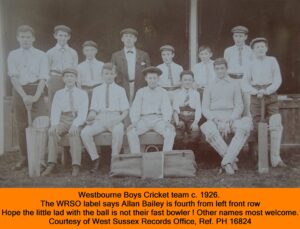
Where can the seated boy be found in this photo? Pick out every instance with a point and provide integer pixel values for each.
(89, 71)
(223, 106)
(151, 110)
(108, 109)
(187, 108)
(68, 113)
(204, 73)
(262, 81)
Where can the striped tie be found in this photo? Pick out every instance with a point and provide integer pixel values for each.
(170, 77)
(71, 101)
(187, 98)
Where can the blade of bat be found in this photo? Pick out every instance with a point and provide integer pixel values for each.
(263, 160)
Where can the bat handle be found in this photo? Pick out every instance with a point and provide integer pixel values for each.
(263, 109)
(29, 115)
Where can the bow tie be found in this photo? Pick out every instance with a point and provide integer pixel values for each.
(129, 51)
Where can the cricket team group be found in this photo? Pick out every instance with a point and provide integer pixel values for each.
(128, 96)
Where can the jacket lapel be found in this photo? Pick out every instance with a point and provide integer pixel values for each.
(124, 63)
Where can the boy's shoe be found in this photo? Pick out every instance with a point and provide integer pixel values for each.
(228, 169)
(95, 166)
(235, 166)
(281, 164)
(75, 170)
(20, 164)
(50, 168)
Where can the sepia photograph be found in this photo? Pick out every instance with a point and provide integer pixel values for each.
(150, 93)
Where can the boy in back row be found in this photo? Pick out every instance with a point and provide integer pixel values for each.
(204, 72)
(238, 57)
(89, 71)
(170, 76)
(60, 57)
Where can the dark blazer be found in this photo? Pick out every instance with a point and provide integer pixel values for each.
(142, 61)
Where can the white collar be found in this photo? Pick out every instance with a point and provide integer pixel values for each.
(57, 46)
(27, 50)
(91, 61)
(132, 49)
(111, 84)
(73, 89)
(170, 64)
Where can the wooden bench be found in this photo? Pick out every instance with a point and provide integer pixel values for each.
(150, 138)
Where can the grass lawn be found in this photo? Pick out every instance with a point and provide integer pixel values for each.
(207, 174)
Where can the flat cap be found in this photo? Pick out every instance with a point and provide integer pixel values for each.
(70, 70)
(152, 69)
(90, 43)
(219, 61)
(239, 29)
(130, 31)
(258, 39)
(167, 47)
(62, 28)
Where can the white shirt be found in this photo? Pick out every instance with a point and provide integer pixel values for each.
(204, 73)
(194, 101)
(118, 101)
(151, 101)
(61, 103)
(28, 66)
(263, 72)
(231, 55)
(164, 80)
(61, 58)
(90, 72)
(131, 59)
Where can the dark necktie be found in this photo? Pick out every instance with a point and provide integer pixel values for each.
(71, 101)
(240, 56)
(170, 77)
(107, 96)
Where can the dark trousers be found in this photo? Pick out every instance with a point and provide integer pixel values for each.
(271, 108)
(39, 108)
(185, 122)
(55, 83)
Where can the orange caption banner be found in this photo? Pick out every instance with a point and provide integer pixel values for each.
(148, 208)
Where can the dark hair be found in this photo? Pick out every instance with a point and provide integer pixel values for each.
(220, 61)
(24, 29)
(186, 72)
(204, 47)
(109, 66)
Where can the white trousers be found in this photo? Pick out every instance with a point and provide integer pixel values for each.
(150, 122)
(102, 124)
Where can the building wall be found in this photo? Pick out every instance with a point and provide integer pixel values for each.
(277, 20)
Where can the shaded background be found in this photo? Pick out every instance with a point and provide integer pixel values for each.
(160, 22)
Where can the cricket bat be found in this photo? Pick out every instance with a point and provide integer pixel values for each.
(263, 159)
